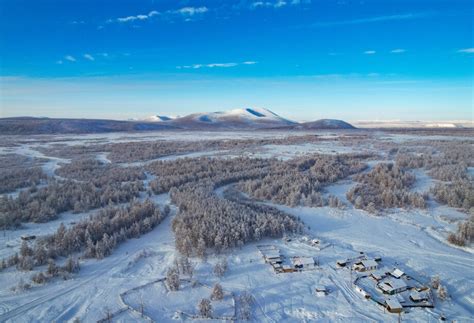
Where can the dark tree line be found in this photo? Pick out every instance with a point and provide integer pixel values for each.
(46, 203)
(15, 178)
(133, 151)
(386, 186)
(445, 161)
(172, 174)
(101, 174)
(299, 181)
(205, 221)
(95, 237)
(18, 171)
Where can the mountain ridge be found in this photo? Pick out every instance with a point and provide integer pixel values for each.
(237, 119)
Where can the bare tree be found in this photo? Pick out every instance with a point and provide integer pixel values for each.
(172, 279)
(217, 292)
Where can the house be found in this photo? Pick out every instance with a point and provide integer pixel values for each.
(321, 291)
(303, 262)
(378, 275)
(393, 306)
(416, 296)
(365, 265)
(392, 286)
(272, 256)
(397, 273)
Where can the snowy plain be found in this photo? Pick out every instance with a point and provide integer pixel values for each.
(415, 240)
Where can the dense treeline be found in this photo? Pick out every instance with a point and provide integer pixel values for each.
(44, 204)
(458, 194)
(298, 181)
(133, 151)
(17, 171)
(175, 173)
(98, 172)
(205, 221)
(12, 179)
(445, 161)
(142, 151)
(95, 237)
(385, 186)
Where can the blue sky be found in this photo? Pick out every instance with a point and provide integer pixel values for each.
(354, 60)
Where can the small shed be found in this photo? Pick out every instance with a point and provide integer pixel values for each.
(303, 262)
(393, 306)
(397, 273)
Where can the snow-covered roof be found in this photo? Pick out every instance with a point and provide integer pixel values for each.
(379, 274)
(303, 261)
(369, 263)
(396, 283)
(393, 303)
(417, 296)
(272, 254)
(397, 273)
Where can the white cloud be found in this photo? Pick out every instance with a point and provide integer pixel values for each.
(185, 12)
(277, 4)
(137, 17)
(222, 65)
(370, 52)
(191, 11)
(89, 57)
(398, 51)
(213, 65)
(70, 58)
(466, 50)
(406, 16)
(60, 62)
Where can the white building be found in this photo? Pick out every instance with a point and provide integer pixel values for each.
(393, 306)
(397, 273)
(365, 265)
(393, 286)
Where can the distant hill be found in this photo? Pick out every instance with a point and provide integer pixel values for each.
(325, 124)
(27, 125)
(237, 119)
(248, 118)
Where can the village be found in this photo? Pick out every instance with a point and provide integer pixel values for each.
(386, 284)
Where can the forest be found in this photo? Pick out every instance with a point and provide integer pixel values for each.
(385, 186)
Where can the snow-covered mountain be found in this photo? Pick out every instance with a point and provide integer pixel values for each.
(158, 118)
(247, 118)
